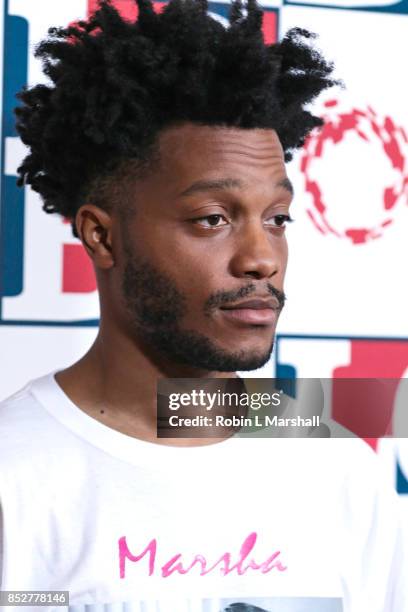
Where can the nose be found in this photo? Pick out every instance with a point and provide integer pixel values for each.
(258, 254)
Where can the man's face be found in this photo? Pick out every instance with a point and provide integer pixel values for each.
(207, 236)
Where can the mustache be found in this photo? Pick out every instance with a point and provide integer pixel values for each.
(226, 298)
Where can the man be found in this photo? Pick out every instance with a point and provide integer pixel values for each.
(164, 141)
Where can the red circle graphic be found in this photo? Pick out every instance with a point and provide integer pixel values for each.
(367, 125)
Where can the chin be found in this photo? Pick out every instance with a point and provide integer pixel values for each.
(251, 364)
(246, 359)
(251, 350)
(206, 352)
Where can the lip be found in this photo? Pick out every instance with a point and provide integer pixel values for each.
(254, 304)
(253, 312)
(254, 316)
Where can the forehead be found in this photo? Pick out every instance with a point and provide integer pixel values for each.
(189, 152)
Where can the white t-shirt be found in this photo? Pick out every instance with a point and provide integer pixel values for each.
(280, 525)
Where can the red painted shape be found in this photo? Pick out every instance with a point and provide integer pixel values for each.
(312, 217)
(305, 160)
(320, 142)
(333, 130)
(392, 149)
(92, 6)
(390, 197)
(270, 27)
(375, 129)
(389, 125)
(78, 275)
(313, 188)
(365, 405)
(386, 222)
(348, 121)
(358, 236)
(375, 359)
(127, 8)
(362, 135)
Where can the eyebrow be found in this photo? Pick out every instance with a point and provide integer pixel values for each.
(227, 183)
(212, 185)
(287, 185)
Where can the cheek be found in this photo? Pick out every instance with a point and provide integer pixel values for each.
(196, 278)
(284, 255)
(193, 274)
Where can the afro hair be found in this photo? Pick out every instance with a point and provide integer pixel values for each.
(115, 84)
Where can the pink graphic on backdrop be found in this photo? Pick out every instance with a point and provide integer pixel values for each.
(369, 127)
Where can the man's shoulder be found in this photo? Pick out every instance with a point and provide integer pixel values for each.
(24, 421)
(17, 406)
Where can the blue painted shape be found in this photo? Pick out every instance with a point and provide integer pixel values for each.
(220, 8)
(402, 481)
(223, 9)
(286, 379)
(12, 244)
(41, 323)
(15, 67)
(12, 197)
(397, 8)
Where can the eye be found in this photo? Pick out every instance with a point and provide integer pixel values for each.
(279, 221)
(210, 221)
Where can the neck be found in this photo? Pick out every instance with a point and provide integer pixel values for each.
(116, 383)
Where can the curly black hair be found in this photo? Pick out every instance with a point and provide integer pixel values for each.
(114, 84)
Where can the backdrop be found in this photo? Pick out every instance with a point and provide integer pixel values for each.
(348, 301)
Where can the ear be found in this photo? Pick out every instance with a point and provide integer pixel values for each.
(94, 227)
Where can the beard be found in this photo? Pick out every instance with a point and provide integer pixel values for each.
(156, 309)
